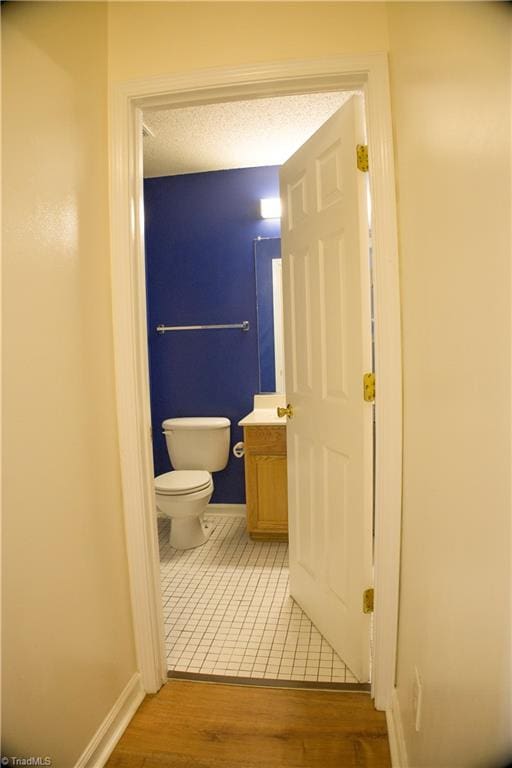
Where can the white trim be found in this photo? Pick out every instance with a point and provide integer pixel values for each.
(396, 734)
(368, 72)
(233, 510)
(388, 369)
(112, 728)
(132, 389)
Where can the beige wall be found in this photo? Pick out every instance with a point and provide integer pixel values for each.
(451, 107)
(156, 38)
(67, 634)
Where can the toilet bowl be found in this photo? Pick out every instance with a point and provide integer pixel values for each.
(183, 496)
(197, 446)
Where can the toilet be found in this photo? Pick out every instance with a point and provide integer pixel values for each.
(197, 446)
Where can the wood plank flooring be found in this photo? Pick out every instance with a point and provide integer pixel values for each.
(208, 725)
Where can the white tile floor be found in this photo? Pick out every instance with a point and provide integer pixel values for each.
(228, 612)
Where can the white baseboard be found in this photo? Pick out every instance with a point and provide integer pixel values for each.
(235, 510)
(112, 728)
(396, 734)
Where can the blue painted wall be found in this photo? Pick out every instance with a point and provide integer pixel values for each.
(200, 231)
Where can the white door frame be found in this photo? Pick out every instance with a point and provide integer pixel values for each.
(369, 73)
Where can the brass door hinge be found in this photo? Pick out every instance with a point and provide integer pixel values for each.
(369, 387)
(368, 600)
(362, 157)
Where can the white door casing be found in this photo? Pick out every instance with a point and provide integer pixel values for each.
(367, 72)
(326, 303)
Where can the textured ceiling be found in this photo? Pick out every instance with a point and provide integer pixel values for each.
(239, 134)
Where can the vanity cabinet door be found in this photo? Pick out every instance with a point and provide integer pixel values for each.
(266, 482)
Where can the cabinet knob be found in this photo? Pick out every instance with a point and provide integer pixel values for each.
(288, 411)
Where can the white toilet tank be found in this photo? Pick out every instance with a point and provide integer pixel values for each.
(198, 442)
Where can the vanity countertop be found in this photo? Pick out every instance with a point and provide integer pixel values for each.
(265, 412)
(263, 417)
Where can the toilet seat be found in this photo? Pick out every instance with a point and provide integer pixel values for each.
(181, 482)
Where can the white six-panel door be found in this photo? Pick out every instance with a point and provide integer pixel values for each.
(326, 286)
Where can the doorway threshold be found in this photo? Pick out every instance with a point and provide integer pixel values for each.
(269, 683)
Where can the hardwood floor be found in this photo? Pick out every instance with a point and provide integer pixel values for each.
(210, 725)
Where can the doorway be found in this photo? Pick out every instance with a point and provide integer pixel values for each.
(227, 604)
(370, 74)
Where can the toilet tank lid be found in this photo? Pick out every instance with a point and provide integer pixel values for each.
(196, 422)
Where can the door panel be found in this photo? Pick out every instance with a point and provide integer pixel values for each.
(328, 169)
(336, 479)
(332, 317)
(300, 266)
(305, 487)
(326, 285)
(297, 205)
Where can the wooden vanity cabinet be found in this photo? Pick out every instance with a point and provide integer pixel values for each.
(266, 482)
